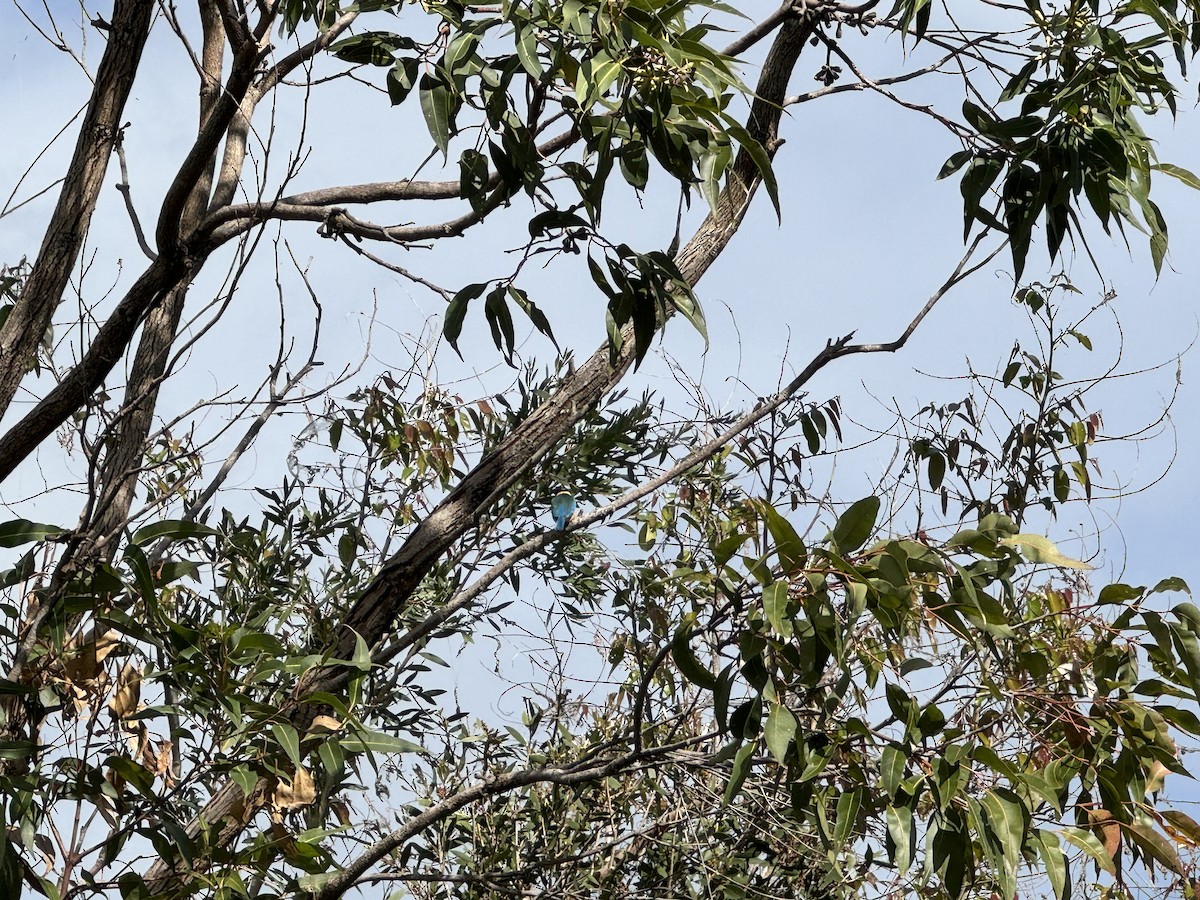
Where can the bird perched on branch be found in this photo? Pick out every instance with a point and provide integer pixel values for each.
(562, 505)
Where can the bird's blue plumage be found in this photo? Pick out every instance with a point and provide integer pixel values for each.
(562, 505)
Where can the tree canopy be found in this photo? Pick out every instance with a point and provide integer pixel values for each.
(732, 675)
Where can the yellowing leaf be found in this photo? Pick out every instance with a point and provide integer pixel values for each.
(1039, 549)
(324, 723)
(128, 692)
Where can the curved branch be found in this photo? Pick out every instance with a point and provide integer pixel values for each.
(323, 204)
(199, 157)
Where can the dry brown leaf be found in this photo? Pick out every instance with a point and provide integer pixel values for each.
(341, 810)
(325, 723)
(162, 764)
(1108, 829)
(136, 737)
(128, 692)
(282, 836)
(84, 655)
(149, 754)
(300, 793)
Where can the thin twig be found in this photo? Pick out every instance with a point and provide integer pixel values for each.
(123, 187)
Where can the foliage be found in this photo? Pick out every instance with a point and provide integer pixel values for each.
(727, 681)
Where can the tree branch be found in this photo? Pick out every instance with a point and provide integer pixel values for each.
(488, 787)
(30, 317)
(325, 205)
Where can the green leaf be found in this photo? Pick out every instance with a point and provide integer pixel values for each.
(1006, 826)
(1090, 844)
(472, 176)
(11, 882)
(377, 742)
(779, 731)
(595, 77)
(1171, 584)
(17, 749)
(1153, 844)
(373, 48)
(500, 321)
(1054, 863)
(902, 705)
(689, 666)
(902, 833)
(526, 35)
(685, 301)
(1179, 173)
(362, 654)
(175, 529)
(245, 778)
(401, 78)
(742, 762)
(954, 163)
(1184, 824)
(848, 806)
(437, 104)
(762, 161)
(937, 470)
(775, 603)
(727, 547)
(22, 531)
(891, 768)
(289, 740)
(456, 312)
(788, 546)
(855, 525)
(1119, 593)
(535, 314)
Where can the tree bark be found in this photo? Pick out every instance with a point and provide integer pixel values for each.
(31, 315)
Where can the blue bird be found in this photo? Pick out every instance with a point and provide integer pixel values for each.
(562, 505)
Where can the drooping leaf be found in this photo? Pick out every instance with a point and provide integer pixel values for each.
(779, 731)
(855, 525)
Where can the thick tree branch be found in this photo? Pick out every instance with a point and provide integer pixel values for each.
(30, 317)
